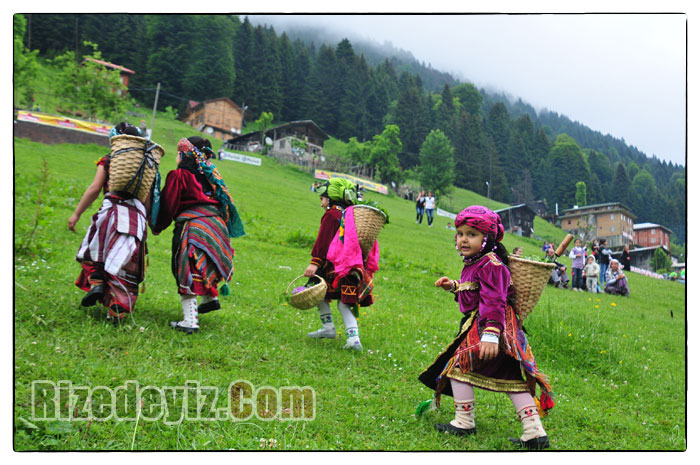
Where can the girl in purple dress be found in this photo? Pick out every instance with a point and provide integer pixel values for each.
(491, 350)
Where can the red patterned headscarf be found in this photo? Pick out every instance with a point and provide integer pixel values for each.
(482, 219)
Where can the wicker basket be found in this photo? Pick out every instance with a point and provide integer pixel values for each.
(368, 223)
(529, 279)
(309, 297)
(133, 162)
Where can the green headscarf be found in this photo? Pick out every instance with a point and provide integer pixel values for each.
(339, 190)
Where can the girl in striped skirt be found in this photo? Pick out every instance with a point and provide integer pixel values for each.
(112, 254)
(196, 198)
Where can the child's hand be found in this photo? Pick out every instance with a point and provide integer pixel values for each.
(72, 221)
(488, 350)
(310, 270)
(444, 282)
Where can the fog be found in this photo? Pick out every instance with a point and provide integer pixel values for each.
(619, 74)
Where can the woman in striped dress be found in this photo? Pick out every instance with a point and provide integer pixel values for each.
(196, 198)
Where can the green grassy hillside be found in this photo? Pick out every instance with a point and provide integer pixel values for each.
(617, 364)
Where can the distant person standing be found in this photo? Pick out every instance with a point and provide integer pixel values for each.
(430, 208)
(420, 207)
(604, 259)
(577, 255)
(626, 259)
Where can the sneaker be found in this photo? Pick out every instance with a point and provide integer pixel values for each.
(323, 333)
(353, 343)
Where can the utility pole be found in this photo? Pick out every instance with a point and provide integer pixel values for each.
(153, 117)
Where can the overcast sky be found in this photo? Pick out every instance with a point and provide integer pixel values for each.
(620, 74)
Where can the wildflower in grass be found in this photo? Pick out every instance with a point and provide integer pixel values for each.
(597, 300)
(602, 351)
(364, 313)
(613, 304)
(596, 306)
(620, 362)
(569, 334)
(624, 335)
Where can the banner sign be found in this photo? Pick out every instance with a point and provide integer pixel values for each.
(368, 185)
(240, 158)
(445, 213)
(64, 122)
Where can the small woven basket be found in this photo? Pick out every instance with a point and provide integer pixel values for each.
(309, 297)
(529, 279)
(133, 162)
(368, 222)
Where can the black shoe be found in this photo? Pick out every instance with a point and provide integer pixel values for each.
(93, 295)
(452, 429)
(532, 444)
(210, 306)
(185, 329)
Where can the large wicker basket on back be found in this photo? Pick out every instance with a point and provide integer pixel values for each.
(529, 279)
(133, 162)
(368, 222)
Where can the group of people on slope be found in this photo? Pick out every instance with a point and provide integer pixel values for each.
(425, 204)
(592, 270)
(195, 197)
(491, 350)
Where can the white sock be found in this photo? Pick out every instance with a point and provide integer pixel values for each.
(189, 311)
(464, 414)
(324, 312)
(349, 320)
(532, 425)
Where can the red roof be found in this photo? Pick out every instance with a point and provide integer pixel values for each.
(111, 65)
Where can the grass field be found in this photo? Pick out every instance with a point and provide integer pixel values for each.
(617, 365)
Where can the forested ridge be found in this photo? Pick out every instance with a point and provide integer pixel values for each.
(355, 92)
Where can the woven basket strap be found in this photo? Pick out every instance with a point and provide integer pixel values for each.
(148, 158)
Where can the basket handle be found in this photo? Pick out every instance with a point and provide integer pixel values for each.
(301, 276)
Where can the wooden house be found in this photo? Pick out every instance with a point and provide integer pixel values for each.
(220, 118)
(298, 138)
(124, 73)
(518, 219)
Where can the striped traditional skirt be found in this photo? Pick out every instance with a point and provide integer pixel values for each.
(504, 373)
(202, 253)
(113, 252)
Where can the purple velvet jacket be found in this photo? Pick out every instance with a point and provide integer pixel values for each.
(485, 284)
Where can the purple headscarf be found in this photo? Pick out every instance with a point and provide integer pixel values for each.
(482, 219)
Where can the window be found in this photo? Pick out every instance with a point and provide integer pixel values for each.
(622, 217)
(568, 222)
(282, 144)
(612, 216)
(612, 228)
(653, 231)
(653, 240)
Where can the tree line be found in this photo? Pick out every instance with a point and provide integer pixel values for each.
(522, 154)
